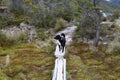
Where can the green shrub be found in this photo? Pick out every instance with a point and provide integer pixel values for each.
(116, 15)
(3, 76)
(3, 53)
(60, 24)
(22, 38)
(114, 46)
(14, 21)
(3, 21)
(5, 42)
(49, 46)
(42, 36)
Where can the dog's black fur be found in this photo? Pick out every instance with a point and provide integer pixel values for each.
(63, 41)
(61, 38)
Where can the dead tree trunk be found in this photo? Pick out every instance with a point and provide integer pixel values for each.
(98, 25)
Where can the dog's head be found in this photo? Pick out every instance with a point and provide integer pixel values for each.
(60, 38)
(57, 37)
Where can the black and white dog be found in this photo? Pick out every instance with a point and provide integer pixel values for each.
(62, 40)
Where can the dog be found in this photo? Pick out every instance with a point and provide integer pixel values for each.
(62, 41)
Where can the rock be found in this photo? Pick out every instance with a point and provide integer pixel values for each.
(23, 25)
(16, 31)
(117, 22)
(7, 62)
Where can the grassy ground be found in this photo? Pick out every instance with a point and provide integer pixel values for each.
(27, 62)
(30, 63)
(84, 64)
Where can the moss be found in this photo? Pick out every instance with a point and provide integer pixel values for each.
(14, 70)
(93, 62)
(80, 75)
(90, 65)
(3, 76)
(28, 62)
(20, 76)
(3, 53)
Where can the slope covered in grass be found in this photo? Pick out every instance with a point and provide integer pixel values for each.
(84, 64)
(29, 63)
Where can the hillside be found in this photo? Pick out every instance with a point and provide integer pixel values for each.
(27, 44)
(28, 62)
(109, 6)
(115, 2)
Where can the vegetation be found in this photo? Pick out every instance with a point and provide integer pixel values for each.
(109, 6)
(35, 60)
(92, 65)
(116, 14)
(10, 41)
(60, 24)
(28, 62)
(5, 42)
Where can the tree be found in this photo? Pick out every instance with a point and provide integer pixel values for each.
(86, 19)
(98, 25)
(0, 2)
(17, 5)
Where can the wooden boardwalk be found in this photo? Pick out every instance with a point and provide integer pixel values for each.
(60, 65)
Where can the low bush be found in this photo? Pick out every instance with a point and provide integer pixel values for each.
(41, 35)
(3, 53)
(114, 47)
(22, 38)
(60, 24)
(5, 42)
(10, 41)
(3, 76)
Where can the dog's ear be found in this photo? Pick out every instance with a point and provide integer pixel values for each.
(62, 34)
